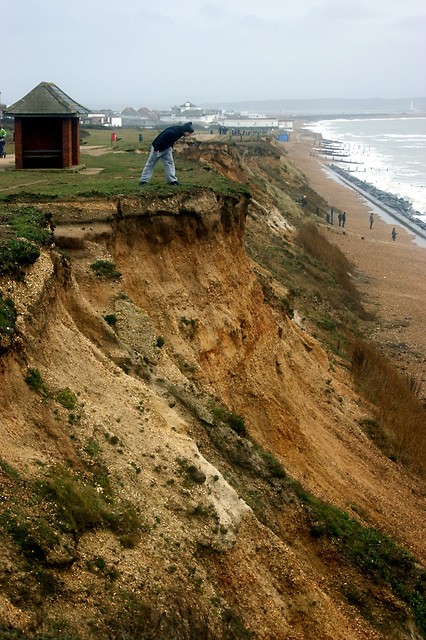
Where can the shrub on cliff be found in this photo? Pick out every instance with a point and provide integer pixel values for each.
(7, 323)
(16, 254)
(23, 231)
(105, 269)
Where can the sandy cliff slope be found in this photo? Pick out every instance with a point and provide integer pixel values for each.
(193, 398)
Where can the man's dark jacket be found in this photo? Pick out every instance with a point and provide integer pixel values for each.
(169, 136)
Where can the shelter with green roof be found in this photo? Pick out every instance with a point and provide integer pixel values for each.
(47, 129)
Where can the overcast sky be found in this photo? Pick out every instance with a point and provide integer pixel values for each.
(159, 54)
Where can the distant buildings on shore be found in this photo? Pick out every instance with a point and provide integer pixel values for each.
(200, 117)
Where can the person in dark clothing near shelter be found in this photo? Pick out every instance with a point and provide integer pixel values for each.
(162, 149)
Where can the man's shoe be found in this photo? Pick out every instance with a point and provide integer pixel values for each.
(141, 184)
(174, 183)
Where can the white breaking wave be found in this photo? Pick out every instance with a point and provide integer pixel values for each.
(389, 153)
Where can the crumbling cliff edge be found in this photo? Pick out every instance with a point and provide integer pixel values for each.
(166, 433)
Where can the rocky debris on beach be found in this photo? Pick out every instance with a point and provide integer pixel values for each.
(400, 205)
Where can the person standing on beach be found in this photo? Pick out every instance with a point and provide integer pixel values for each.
(331, 215)
(343, 218)
(162, 149)
(394, 234)
(339, 217)
(371, 220)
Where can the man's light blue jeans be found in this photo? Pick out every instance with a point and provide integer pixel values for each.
(167, 159)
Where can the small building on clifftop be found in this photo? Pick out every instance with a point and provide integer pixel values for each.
(47, 129)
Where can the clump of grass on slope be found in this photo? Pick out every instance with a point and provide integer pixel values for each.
(105, 269)
(8, 316)
(399, 410)
(23, 231)
(16, 254)
(319, 248)
(370, 551)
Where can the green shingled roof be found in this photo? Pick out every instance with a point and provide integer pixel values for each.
(46, 99)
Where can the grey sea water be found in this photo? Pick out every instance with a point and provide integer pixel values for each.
(389, 153)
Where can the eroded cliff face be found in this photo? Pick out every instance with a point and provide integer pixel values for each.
(223, 548)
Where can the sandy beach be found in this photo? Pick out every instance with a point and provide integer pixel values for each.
(392, 273)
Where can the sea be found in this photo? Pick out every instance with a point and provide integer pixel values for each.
(387, 152)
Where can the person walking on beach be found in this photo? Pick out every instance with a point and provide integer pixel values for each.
(394, 234)
(343, 218)
(162, 149)
(331, 215)
(339, 217)
(371, 220)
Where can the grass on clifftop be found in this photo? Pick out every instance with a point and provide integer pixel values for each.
(24, 228)
(121, 165)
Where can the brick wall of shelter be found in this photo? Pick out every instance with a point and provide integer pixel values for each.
(46, 142)
(18, 143)
(75, 141)
(66, 142)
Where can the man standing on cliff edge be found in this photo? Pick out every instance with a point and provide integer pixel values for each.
(162, 149)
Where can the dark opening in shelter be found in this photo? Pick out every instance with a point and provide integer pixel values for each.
(47, 129)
